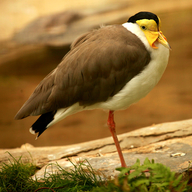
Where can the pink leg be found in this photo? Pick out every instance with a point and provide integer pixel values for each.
(111, 125)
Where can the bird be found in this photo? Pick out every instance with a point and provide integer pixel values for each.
(108, 68)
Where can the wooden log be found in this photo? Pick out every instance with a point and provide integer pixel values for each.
(167, 143)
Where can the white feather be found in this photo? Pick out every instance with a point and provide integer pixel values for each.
(31, 131)
(64, 112)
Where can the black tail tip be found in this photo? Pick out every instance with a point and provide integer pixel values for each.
(42, 123)
(32, 131)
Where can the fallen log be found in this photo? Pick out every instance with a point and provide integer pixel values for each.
(167, 143)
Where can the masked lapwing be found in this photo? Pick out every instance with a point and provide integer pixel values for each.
(109, 68)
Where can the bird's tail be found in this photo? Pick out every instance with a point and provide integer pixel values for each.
(48, 119)
(42, 123)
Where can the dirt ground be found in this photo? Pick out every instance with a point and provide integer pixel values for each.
(170, 100)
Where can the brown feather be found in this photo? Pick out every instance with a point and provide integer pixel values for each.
(98, 66)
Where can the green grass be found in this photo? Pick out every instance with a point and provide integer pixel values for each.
(16, 177)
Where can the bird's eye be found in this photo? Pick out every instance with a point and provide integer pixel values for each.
(143, 27)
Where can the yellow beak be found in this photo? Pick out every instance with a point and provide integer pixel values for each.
(162, 39)
(154, 36)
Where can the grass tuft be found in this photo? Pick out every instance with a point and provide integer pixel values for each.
(16, 176)
(81, 178)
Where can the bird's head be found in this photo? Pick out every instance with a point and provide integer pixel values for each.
(150, 24)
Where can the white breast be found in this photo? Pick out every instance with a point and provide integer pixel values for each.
(142, 84)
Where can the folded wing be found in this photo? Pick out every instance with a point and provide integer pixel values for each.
(97, 67)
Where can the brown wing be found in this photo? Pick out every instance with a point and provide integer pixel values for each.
(98, 66)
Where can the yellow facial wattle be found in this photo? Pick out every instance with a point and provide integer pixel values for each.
(152, 32)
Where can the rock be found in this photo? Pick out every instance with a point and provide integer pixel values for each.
(27, 146)
(48, 38)
(46, 28)
(158, 142)
(109, 162)
(61, 29)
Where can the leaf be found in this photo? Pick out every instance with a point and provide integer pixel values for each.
(177, 181)
(147, 162)
(134, 174)
(141, 181)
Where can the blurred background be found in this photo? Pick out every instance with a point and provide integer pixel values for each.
(35, 35)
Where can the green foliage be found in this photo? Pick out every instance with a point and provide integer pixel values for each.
(16, 176)
(151, 177)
